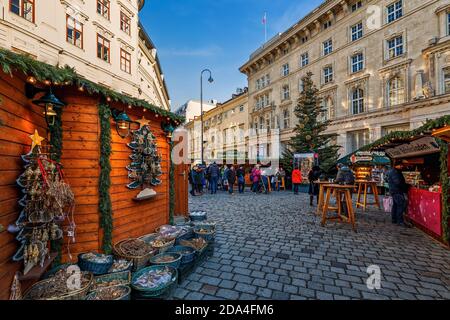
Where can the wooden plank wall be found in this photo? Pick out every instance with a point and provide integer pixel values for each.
(19, 119)
(134, 219)
(80, 159)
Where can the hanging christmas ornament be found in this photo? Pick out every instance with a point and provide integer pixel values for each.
(308, 138)
(16, 291)
(31, 80)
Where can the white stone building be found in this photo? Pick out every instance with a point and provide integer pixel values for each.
(380, 65)
(101, 39)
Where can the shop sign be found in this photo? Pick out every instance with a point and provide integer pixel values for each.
(422, 146)
(365, 156)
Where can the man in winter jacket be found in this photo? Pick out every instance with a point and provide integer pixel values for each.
(397, 189)
(296, 179)
(213, 173)
(231, 177)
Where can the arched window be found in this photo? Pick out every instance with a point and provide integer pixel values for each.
(357, 101)
(396, 91)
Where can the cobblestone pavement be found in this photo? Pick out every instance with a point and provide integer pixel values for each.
(273, 247)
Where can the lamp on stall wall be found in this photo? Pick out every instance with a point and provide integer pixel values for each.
(123, 123)
(168, 129)
(48, 101)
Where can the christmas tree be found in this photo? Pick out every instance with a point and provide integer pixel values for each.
(145, 166)
(309, 137)
(45, 200)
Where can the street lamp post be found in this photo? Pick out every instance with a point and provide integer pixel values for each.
(210, 80)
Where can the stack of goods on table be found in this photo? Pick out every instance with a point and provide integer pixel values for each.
(145, 268)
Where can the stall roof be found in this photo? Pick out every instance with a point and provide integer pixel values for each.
(397, 138)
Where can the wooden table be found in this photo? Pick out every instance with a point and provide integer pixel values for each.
(339, 191)
(321, 195)
(363, 187)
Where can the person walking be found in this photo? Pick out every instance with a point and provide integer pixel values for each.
(314, 175)
(213, 173)
(256, 176)
(240, 173)
(296, 179)
(198, 180)
(231, 177)
(192, 181)
(397, 189)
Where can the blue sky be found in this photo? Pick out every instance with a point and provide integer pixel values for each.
(191, 35)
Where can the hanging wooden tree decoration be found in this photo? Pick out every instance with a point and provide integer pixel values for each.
(145, 167)
(46, 198)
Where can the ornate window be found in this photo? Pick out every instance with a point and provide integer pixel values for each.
(328, 75)
(125, 61)
(327, 47)
(357, 101)
(74, 31)
(304, 60)
(286, 119)
(446, 77)
(357, 31)
(357, 62)
(125, 23)
(394, 11)
(103, 48)
(103, 8)
(285, 92)
(285, 70)
(23, 8)
(396, 91)
(327, 109)
(395, 47)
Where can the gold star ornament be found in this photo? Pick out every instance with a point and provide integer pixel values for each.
(36, 139)
(143, 122)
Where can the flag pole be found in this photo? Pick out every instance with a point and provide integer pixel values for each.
(265, 27)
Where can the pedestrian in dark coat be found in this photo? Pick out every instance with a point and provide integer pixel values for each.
(240, 174)
(231, 177)
(397, 189)
(313, 176)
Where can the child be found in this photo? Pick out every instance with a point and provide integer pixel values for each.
(296, 179)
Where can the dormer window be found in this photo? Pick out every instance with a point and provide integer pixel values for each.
(327, 24)
(357, 5)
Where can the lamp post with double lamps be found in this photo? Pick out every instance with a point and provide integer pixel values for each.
(210, 80)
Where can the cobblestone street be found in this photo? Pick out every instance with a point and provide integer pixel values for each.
(273, 247)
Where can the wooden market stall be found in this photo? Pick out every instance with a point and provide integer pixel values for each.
(93, 154)
(425, 159)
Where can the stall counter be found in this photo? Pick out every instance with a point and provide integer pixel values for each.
(424, 208)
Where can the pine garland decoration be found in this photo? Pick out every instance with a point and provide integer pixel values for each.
(10, 61)
(56, 146)
(105, 206)
(171, 186)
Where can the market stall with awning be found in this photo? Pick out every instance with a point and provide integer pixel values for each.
(424, 156)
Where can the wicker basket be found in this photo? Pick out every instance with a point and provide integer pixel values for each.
(186, 257)
(138, 261)
(209, 236)
(53, 271)
(126, 293)
(174, 263)
(153, 292)
(123, 278)
(198, 218)
(152, 236)
(78, 294)
(97, 268)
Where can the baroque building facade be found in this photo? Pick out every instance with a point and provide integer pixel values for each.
(102, 39)
(379, 65)
(225, 130)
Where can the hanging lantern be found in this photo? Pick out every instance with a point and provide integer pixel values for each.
(31, 80)
(51, 103)
(123, 124)
(130, 106)
(47, 82)
(81, 88)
